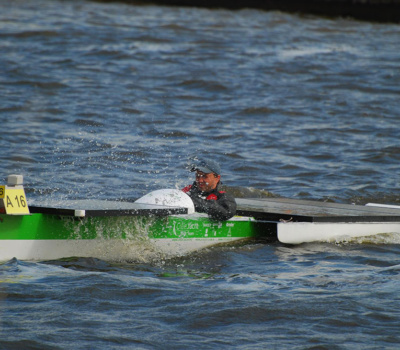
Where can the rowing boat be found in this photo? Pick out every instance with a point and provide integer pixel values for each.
(160, 224)
(163, 224)
(52, 233)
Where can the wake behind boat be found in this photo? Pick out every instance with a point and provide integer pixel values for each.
(164, 224)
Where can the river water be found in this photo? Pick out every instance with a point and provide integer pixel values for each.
(109, 101)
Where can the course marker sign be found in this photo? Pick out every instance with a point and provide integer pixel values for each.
(13, 200)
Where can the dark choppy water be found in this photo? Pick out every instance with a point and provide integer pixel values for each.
(109, 100)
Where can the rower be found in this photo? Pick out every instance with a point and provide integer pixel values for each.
(205, 192)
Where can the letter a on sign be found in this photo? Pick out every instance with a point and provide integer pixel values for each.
(14, 201)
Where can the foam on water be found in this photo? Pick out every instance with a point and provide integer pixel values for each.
(383, 238)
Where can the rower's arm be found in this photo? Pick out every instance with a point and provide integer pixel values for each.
(220, 210)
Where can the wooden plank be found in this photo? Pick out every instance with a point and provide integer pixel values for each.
(285, 209)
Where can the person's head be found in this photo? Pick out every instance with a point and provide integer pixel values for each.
(208, 174)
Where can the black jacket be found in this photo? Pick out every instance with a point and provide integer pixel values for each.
(219, 205)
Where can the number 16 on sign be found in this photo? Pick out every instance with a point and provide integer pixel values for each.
(14, 200)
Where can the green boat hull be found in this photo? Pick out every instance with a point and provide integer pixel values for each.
(30, 237)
